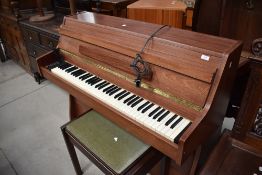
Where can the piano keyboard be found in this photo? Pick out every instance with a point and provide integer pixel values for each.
(155, 117)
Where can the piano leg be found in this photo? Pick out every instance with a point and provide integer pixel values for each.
(195, 161)
(165, 165)
(76, 108)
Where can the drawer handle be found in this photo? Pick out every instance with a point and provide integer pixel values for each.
(50, 44)
(30, 38)
(34, 53)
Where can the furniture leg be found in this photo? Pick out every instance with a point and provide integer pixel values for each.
(72, 153)
(165, 165)
(195, 161)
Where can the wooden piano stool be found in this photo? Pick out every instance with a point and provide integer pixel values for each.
(110, 148)
(240, 151)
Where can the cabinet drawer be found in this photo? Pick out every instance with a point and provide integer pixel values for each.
(35, 51)
(30, 36)
(47, 41)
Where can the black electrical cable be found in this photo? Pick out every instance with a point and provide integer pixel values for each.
(142, 68)
(151, 36)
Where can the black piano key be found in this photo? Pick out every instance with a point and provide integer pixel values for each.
(93, 80)
(75, 72)
(143, 105)
(104, 85)
(159, 113)
(90, 79)
(108, 88)
(132, 101)
(64, 65)
(97, 81)
(78, 72)
(129, 98)
(181, 133)
(170, 120)
(100, 84)
(124, 95)
(176, 122)
(119, 94)
(71, 69)
(85, 76)
(163, 116)
(154, 111)
(148, 107)
(53, 65)
(137, 102)
(115, 91)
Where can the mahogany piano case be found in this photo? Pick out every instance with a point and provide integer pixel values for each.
(189, 88)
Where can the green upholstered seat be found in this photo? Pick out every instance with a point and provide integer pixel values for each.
(115, 147)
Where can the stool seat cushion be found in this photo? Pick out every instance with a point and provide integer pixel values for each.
(115, 147)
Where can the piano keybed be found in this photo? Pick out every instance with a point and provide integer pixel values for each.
(158, 119)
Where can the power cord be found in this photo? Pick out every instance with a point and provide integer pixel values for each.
(141, 67)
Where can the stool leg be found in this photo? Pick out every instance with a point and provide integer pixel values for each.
(72, 153)
(165, 165)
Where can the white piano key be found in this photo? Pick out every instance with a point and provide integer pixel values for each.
(178, 130)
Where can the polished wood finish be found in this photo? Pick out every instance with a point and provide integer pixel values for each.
(173, 54)
(167, 12)
(239, 151)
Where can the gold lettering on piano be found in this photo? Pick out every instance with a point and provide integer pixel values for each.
(125, 77)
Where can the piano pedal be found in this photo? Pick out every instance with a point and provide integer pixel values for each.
(38, 77)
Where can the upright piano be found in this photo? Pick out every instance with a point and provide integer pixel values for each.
(176, 109)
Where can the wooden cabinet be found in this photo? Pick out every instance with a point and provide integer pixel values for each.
(40, 38)
(13, 40)
(240, 151)
(236, 19)
(165, 12)
(10, 31)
